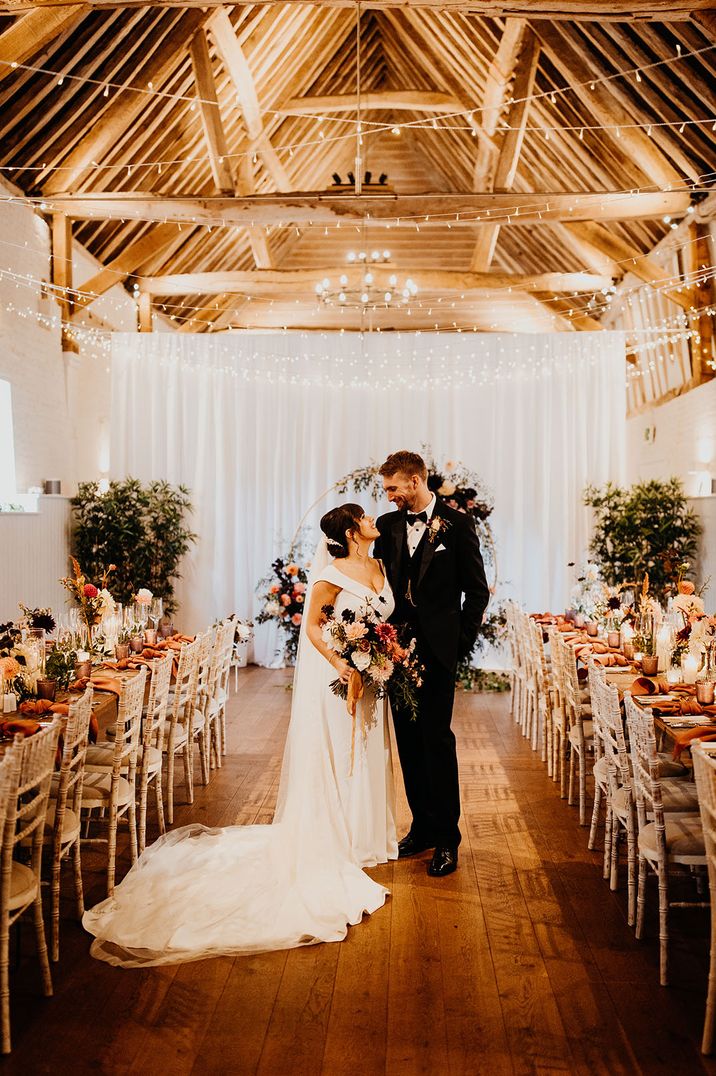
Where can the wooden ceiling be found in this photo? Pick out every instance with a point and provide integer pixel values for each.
(190, 148)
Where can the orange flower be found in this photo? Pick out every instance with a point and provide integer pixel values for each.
(686, 587)
(9, 669)
(292, 569)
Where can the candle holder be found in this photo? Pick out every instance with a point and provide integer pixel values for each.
(689, 668)
(150, 636)
(628, 650)
(673, 675)
(83, 669)
(705, 692)
(649, 664)
(121, 651)
(613, 639)
(592, 629)
(47, 689)
(580, 620)
(136, 644)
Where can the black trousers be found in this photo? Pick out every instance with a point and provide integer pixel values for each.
(428, 756)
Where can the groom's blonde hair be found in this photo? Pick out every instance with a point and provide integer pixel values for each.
(405, 463)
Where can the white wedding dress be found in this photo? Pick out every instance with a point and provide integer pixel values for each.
(201, 892)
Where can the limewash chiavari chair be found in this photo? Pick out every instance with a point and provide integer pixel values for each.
(597, 680)
(202, 727)
(559, 713)
(705, 773)
(518, 673)
(111, 774)
(220, 685)
(578, 724)
(63, 825)
(543, 728)
(149, 763)
(665, 841)
(179, 728)
(31, 764)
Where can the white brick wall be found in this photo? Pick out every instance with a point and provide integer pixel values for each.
(679, 438)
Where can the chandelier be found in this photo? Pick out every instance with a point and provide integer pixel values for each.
(367, 283)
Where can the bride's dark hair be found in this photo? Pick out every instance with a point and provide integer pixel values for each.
(346, 517)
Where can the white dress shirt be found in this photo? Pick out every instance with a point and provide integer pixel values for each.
(417, 529)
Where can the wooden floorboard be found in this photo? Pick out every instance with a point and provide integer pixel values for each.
(521, 962)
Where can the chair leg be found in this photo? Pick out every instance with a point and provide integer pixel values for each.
(631, 865)
(132, 819)
(204, 756)
(570, 792)
(663, 928)
(111, 849)
(708, 1035)
(142, 823)
(582, 787)
(595, 816)
(189, 771)
(610, 823)
(55, 911)
(77, 866)
(41, 944)
(170, 785)
(5, 986)
(562, 765)
(641, 897)
(614, 870)
(160, 804)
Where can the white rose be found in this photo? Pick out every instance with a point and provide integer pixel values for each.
(272, 608)
(447, 489)
(690, 604)
(144, 596)
(328, 639)
(361, 660)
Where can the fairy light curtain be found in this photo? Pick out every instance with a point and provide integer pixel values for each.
(258, 425)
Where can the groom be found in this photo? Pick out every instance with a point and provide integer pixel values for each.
(432, 558)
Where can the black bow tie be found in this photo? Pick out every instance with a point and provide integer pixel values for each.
(421, 517)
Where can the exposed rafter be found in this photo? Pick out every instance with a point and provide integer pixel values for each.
(255, 282)
(29, 34)
(571, 10)
(131, 258)
(403, 211)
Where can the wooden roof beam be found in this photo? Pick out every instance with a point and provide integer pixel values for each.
(631, 260)
(262, 281)
(325, 207)
(33, 31)
(215, 138)
(570, 312)
(232, 55)
(570, 10)
(125, 109)
(388, 100)
(117, 271)
(497, 84)
(578, 69)
(505, 168)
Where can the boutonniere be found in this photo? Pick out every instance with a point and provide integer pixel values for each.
(435, 527)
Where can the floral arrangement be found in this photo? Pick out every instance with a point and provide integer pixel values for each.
(38, 618)
(283, 597)
(698, 631)
(375, 651)
(244, 632)
(60, 666)
(588, 589)
(19, 665)
(93, 602)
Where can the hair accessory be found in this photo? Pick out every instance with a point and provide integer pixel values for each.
(332, 542)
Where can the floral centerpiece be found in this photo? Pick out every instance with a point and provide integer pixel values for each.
(20, 662)
(587, 592)
(375, 651)
(698, 630)
(284, 594)
(93, 602)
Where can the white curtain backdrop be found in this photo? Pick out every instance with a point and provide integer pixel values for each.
(258, 425)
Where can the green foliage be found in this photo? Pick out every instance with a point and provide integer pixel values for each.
(471, 679)
(139, 528)
(646, 528)
(60, 666)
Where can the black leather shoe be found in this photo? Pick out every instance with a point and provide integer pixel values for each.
(411, 846)
(444, 862)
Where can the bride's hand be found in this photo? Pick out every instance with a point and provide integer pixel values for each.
(343, 668)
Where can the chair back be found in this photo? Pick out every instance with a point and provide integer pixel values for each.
(35, 761)
(207, 646)
(597, 684)
(704, 759)
(74, 752)
(185, 689)
(156, 709)
(128, 727)
(222, 659)
(569, 683)
(645, 767)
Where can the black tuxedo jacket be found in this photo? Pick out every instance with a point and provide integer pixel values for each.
(451, 566)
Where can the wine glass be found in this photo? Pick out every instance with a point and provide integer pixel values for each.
(156, 611)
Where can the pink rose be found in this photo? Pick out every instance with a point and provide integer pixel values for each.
(285, 600)
(296, 618)
(299, 588)
(355, 631)
(274, 589)
(89, 591)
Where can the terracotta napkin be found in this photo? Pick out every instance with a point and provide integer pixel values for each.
(107, 683)
(26, 726)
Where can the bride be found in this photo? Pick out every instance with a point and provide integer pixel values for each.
(201, 892)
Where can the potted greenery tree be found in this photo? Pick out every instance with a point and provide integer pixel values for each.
(140, 528)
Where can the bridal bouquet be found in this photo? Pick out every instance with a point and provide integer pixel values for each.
(374, 649)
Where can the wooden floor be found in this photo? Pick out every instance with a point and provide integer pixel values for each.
(520, 962)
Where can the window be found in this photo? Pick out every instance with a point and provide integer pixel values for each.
(7, 443)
